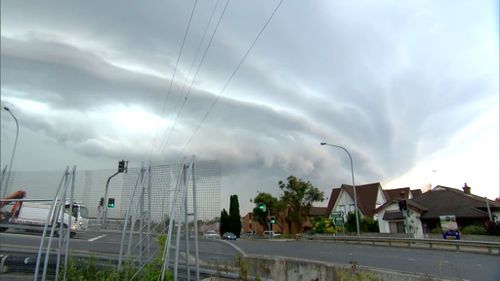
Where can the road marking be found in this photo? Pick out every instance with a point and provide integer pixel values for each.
(95, 238)
(412, 259)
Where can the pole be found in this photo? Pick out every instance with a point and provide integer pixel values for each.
(195, 211)
(353, 184)
(13, 152)
(105, 215)
(488, 207)
(269, 222)
(186, 222)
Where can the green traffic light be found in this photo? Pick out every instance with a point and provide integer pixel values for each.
(111, 202)
(262, 206)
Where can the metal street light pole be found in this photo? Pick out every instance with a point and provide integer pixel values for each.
(13, 152)
(353, 184)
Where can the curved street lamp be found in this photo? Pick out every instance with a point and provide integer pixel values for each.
(353, 185)
(13, 151)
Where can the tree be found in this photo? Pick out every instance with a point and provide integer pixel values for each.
(299, 197)
(224, 222)
(270, 202)
(234, 215)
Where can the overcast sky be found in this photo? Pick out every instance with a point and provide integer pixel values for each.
(410, 88)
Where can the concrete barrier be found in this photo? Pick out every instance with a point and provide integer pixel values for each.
(292, 269)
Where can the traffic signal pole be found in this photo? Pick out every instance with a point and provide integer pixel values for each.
(105, 213)
(269, 223)
(122, 167)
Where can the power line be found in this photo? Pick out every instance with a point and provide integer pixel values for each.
(173, 75)
(232, 74)
(198, 67)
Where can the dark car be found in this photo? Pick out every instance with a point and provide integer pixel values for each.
(229, 236)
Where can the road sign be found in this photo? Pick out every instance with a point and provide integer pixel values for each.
(337, 218)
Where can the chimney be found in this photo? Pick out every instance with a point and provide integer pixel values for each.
(466, 188)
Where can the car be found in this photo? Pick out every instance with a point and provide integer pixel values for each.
(271, 234)
(211, 234)
(229, 236)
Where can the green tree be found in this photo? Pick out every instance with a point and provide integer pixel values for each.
(270, 201)
(299, 196)
(234, 215)
(224, 222)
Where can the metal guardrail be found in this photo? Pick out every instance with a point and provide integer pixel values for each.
(457, 245)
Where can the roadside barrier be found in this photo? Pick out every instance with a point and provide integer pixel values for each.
(455, 245)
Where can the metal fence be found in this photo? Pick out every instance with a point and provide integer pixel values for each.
(90, 185)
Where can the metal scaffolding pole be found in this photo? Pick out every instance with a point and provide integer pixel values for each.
(195, 215)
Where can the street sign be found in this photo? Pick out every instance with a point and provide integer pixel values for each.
(337, 218)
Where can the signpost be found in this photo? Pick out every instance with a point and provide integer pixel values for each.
(337, 218)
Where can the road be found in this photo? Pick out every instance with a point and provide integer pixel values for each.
(441, 263)
(435, 262)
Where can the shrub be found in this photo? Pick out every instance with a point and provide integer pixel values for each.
(323, 225)
(474, 229)
(369, 225)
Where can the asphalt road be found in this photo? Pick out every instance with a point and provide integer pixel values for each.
(108, 244)
(443, 263)
(435, 262)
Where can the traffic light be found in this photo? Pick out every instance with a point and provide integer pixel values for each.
(121, 166)
(262, 206)
(111, 202)
(101, 202)
(273, 220)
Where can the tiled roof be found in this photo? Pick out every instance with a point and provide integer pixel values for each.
(318, 211)
(444, 200)
(397, 193)
(366, 196)
(331, 201)
(416, 192)
(411, 204)
(393, 215)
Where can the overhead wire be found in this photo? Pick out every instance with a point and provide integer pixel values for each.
(214, 102)
(184, 100)
(173, 76)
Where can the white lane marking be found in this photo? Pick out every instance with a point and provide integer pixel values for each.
(95, 238)
(412, 259)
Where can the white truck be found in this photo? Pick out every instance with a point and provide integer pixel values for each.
(29, 215)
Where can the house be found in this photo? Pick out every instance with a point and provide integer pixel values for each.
(425, 210)
(391, 219)
(369, 197)
(250, 224)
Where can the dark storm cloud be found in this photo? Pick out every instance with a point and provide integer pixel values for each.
(392, 81)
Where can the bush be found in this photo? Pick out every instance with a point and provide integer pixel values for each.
(81, 269)
(474, 229)
(323, 225)
(369, 225)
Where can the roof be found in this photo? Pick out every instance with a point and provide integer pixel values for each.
(416, 192)
(366, 197)
(413, 205)
(331, 201)
(393, 215)
(397, 193)
(444, 200)
(318, 211)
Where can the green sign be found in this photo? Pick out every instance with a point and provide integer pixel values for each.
(337, 218)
